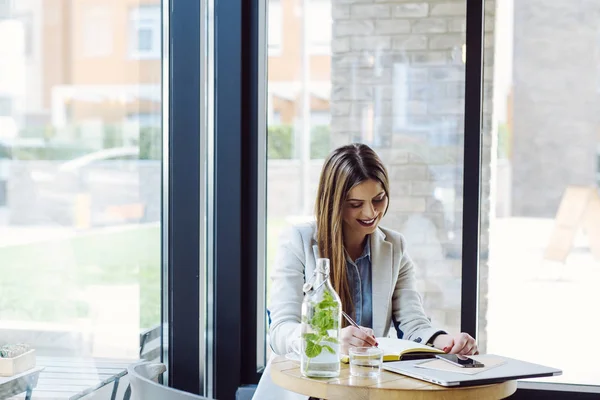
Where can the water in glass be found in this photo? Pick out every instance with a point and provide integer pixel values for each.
(365, 362)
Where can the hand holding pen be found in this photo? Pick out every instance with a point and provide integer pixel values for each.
(356, 336)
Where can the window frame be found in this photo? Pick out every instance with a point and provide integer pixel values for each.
(185, 208)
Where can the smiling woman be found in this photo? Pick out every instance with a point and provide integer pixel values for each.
(350, 178)
(370, 268)
(393, 78)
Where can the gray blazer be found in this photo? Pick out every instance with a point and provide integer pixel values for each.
(394, 292)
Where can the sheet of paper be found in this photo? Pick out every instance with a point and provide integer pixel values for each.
(489, 362)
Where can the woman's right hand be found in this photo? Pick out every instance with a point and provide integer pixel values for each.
(353, 337)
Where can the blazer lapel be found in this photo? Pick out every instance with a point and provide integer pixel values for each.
(381, 276)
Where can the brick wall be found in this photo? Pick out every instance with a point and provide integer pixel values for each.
(398, 84)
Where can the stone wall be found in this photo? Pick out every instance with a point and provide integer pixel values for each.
(556, 102)
(398, 79)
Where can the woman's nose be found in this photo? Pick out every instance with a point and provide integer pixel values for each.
(369, 210)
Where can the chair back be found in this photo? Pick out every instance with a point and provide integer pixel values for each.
(144, 387)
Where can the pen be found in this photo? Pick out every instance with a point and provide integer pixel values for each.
(354, 323)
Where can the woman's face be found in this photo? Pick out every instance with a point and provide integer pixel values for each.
(364, 207)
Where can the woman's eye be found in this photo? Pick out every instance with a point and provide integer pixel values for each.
(355, 205)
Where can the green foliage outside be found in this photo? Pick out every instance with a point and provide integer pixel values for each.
(320, 142)
(49, 152)
(503, 141)
(280, 142)
(112, 137)
(150, 143)
(49, 147)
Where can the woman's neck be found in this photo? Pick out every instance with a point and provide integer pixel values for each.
(354, 244)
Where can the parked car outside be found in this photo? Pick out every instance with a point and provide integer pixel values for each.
(98, 189)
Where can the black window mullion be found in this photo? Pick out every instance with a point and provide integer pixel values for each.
(235, 195)
(184, 223)
(472, 166)
(250, 187)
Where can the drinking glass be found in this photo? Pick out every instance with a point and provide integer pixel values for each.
(365, 362)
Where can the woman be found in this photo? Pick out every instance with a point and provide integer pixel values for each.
(370, 269)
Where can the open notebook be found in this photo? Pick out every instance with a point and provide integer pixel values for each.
(400, 350)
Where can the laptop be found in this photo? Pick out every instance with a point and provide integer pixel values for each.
(509, 369)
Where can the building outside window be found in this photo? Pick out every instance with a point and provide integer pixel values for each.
(275, 29)
(319, 13)
(144, 36)
(97, 32)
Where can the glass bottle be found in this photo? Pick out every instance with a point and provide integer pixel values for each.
(321, 323)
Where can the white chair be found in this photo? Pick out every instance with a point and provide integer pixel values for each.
(144, 386)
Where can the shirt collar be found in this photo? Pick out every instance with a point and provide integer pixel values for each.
(366, 253)
(367, 250)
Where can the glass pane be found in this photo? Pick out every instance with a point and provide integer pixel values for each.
(390, 75)
(540, 225)
(80, 190)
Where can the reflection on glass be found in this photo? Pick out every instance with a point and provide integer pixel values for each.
(544, 242)
(80, 182)
(390, 75)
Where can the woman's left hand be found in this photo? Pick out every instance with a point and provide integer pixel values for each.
(462, 344)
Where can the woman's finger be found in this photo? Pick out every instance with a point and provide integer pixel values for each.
(470, 347)
(467, 350)
(449, 346)
(357, 342)
(366, 335)
(459, 343)
(354, 337)
(371, 333)
(368, 331)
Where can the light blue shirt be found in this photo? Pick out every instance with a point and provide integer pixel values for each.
(359, 279)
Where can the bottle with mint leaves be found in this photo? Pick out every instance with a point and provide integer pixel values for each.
(321, 323)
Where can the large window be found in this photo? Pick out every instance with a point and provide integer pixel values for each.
(393, 77)
(80, 191)
(543, 252)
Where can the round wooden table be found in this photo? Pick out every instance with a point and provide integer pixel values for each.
(388, 386)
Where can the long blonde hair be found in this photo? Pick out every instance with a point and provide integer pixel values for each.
(346, 167)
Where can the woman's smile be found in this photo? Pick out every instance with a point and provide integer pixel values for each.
(367, 223)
